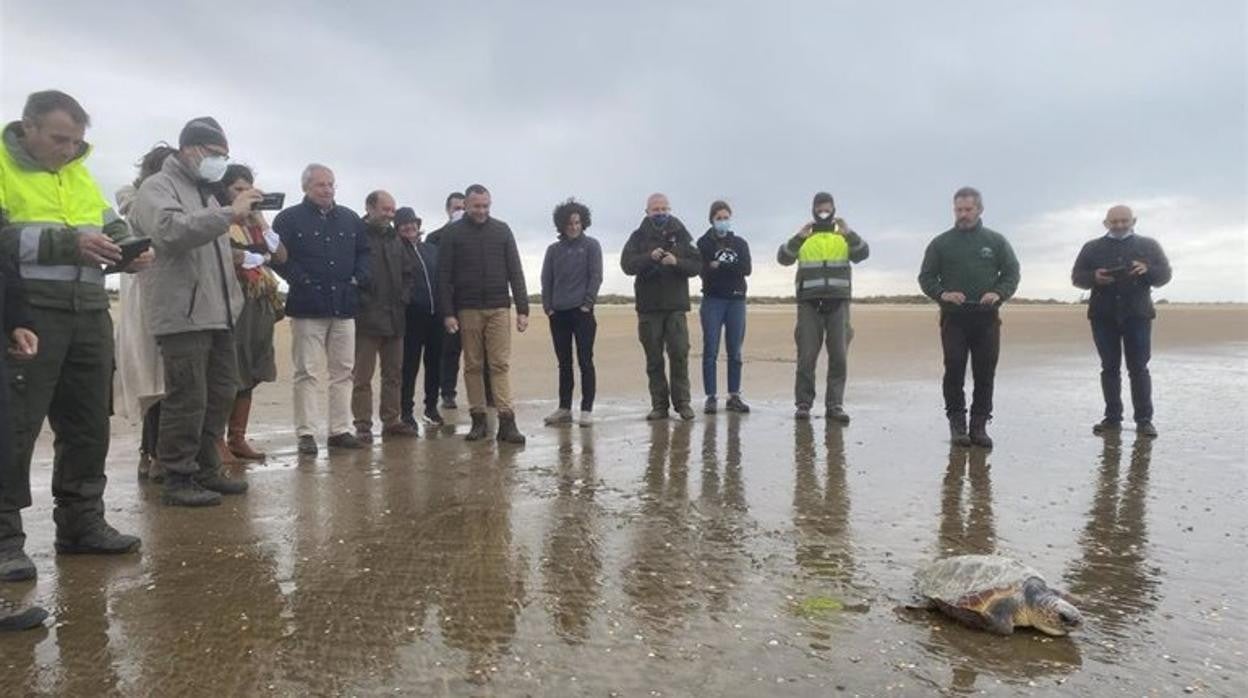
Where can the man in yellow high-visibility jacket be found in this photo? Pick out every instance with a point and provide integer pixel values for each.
(824, 250)
(59, 228)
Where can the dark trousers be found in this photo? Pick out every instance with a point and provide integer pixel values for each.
(69, 383)
(659, 332)
(151, 430)
(976, 334)
(567, 327)
(201, 382)
(1133, 337)
(452, 348)
(422, 342)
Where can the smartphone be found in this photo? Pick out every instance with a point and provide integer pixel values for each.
(130, 250)
(273, 201)
(1119, 272)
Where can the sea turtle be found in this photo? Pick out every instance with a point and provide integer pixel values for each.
(996, 594)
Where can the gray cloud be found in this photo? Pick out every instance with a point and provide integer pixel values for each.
(1053, 110)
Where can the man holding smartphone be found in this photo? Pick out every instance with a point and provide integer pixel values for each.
(1121, 269)
(970, 271)
(57, 226)
(201, 300)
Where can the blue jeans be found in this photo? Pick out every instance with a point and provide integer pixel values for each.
(1133, 337)
(719, 314)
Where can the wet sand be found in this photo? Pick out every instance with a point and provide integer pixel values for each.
(736, 556)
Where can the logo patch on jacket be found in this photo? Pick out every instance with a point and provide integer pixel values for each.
(985, 253)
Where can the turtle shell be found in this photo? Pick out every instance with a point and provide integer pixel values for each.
(972, 581)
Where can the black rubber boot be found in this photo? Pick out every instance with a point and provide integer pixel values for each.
(979, 432)
(216, 482)
(957, 430)
(477, 432)
(507, 431)
(183, 491)
(14, 617)
(89, 534)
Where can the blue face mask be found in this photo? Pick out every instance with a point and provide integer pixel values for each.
(722, 227)
(660, 219)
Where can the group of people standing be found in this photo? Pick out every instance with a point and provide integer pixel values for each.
(200, 300)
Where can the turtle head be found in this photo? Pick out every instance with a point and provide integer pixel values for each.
(1047, 611)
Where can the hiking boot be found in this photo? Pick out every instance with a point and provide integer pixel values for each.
(448, 403)
(434, 418)
(1146, 429)
(837, 414)
(586, 418)
(685, 411)
(957, 430)
(711, 406)
(227, 458)
(736, 404)
(1107, 426)
(307, 445)
(477, 432)
(979, 432)
(95, 537)
(15, 566)
(14, 617)
(802, 412)
(348, 441)
(237, 441)
(183, 491)
(400, 431)
(363, 435)
(507, 431)
(657, 414)
(559, 416)
(220, 484)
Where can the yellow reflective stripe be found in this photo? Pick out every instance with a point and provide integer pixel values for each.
(63, 272)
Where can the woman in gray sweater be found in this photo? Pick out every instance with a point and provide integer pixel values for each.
(571, 277)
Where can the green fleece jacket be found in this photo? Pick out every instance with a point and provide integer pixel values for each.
(973, 261)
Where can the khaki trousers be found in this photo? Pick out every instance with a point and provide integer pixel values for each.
(367, 350)
(487, 333)
(319, 345)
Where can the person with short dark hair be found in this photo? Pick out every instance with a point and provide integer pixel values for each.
(423, 332)
(255, 247)
(571, 277)
(478, 263)
(327, 263)
(825, 250)
(380, 324)
(1121, 269)
(56, 225)
(200, 302)
(970, 271)
(661, 256)
(725, 265)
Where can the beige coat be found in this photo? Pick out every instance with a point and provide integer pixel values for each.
(139, 380)
(193, 275)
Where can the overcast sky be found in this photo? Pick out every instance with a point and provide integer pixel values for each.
(1055, 110)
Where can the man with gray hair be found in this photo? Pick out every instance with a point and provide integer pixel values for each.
(327, 262)
(970, 271)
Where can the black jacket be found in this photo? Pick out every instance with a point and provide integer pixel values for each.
(1128, 296)
(733, 254)
(327, 257)
(476, 265)
(424, 293)
(660, 288)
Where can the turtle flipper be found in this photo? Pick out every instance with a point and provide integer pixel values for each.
(967, 617)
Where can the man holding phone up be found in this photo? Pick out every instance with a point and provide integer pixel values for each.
(200, 303)
(1121, 269)
(56, 224)
(970, 271)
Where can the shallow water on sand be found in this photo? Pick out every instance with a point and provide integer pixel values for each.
(742, 556)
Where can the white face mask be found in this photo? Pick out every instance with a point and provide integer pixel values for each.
(212, 168)
(456, 215)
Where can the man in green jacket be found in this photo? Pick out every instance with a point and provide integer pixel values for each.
(661, 255)
(970, 271)
(57, 224)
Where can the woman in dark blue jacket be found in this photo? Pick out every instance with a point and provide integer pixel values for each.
(725, 264)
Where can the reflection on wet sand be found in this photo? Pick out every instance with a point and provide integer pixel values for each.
(970, 529)
(572, 558)
(1112, 578)
(821, 510)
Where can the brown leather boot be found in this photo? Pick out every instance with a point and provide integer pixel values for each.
(238, 431)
